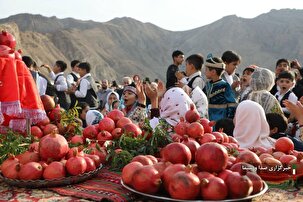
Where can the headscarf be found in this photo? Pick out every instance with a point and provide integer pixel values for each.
(174, 104)
(251, 127)
(262, 80)
(107, 106)
(93, 117)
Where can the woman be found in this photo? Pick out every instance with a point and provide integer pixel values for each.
(262, 80)
(110, 98)
(251, 127)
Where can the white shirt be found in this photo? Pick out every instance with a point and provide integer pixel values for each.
(292, 97)
(70, 79)
(229, 78)
(42, 85)
(197, 82)
(61, 84)
(84, 87)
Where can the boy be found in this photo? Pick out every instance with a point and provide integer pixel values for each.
(281, 66)
(57, 75)
(222, 103)
(285, 83)
(278, 125)
(72, 79)
(171, 79)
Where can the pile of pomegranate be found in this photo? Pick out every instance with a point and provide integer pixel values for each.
(208, 165)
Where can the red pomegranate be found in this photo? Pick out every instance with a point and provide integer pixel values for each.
(76, 165)
(287, 158)
(192, 114)
(54, 170)
(204, 175)
(170, 171)
(213, 188)
(176, 153)
(55, 114)
(195, 130)
(211, 157)
(256, 181)
(128, 171)
(30, 171)
(107, 124)
(122, 122)
(132, 129)
(116, 133)
(53, 146)
(74, 151)
(184, 185)
(146, 179)
(34, 146)
(28, 156)
(176, 138)
(7, 162)
(219, 136)
(36, 131)
(11, 171)
(90, 164)
(192, 144)
(161, 166)
(249, 157)
(207, 125)
(284, 144)
(77, 140)
(104, 136)
(180, 128)
(7, 39)
(43, 123)
(90, 132)
(238, 186)
(48, 102)
(50, 128)
(224, 174)
(115, 115)
(152, 158)
(207, 137)
(94, 157)
(144, 160)
(242, 168)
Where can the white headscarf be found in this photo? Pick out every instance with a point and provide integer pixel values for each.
(93, 117)
(107, 106)
(174, 104)
(251, 127)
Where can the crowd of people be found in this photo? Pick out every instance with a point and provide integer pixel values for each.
(256, 107)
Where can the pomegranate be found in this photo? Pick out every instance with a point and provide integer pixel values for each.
(169, 172)
(207, 137)
(285, 159)
(43, 123)
(192, 144)
(72, 151)
(99, 151)
(184, 185)
(249, 157)
(144, 160)
(242, 168)
(284, 144)
(180, 128)
(258, 150)
(115, 115)
(54, 170)
(34, 147)
(129, 170)
(90, 132)
(277, 155)
(53, 146)
(152, 158)
(7, 163)
(132, 129)
(107, 124)
(233, 140)
(238, 186)
(195, 130)
(219, 137)
(11, 171)
(116, 133)
(30, 171)
(264, 155)
(176, 138)
(176, 153)
(103, 136)
(36, 131)
(161, 166)
(76, 165)
(256, 181)
(211, 157)
(94, 157)
(28, 156)
(207, 125)
(192, 115)
(204, 175)
(224, 174)
(213, 188)
(48, 102)
(122, 122)
(7, 39)
(55, 114)
(77, 140)
(146, 179)
(50, 128)
(90, 164)
(271, 162)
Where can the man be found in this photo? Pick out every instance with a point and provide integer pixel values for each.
(171, 79)
(72, 79)
(102, 93)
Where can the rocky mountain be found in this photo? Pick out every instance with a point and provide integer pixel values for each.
(125, 46)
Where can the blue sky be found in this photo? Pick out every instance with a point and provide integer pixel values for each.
(175, 15)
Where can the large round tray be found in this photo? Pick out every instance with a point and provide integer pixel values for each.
(167, 198)
(51, 183)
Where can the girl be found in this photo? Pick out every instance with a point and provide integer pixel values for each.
(110, 98)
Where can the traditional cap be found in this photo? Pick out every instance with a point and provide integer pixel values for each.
(210, 62)
(130, 88)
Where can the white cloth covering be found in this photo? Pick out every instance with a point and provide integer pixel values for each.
(251, 127)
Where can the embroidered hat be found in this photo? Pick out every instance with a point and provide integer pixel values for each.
(131, 88)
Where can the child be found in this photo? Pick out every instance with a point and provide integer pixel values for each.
(281, 66)
(226, 125)
(87, 89)
(231, 60)
(245, 89)
(285, 83)
(278, 124)
(221, 100)
(60, 83)
(110, 98)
